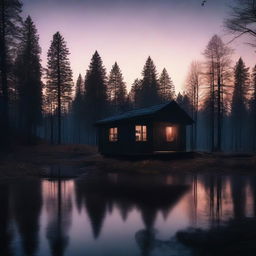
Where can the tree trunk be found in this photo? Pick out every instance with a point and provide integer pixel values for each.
(219, 116)
(59, 98)
(4, 113)
(212, 105)
(212, 115)
(51, 124)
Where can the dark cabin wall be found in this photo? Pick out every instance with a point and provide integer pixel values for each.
(160, 142)
(126, 144)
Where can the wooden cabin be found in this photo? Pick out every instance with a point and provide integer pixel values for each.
(155, 129)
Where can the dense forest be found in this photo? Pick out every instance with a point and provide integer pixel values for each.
(43, 103)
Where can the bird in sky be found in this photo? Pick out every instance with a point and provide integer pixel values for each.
(203, 3)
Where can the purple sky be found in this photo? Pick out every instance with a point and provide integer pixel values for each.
(172, 32)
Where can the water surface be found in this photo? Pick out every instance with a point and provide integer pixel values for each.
(117, 214)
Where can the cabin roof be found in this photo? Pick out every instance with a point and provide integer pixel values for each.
(174, 113)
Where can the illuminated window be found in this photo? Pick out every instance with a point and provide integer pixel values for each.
(113, 134)
(141, 133)
(169, 131)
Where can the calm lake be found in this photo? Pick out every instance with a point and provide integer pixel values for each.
(116, 215)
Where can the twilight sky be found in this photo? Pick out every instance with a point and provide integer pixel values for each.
(172, 32)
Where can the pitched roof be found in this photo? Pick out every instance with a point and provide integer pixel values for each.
(143, 112)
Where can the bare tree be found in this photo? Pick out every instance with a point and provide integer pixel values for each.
(252, 107)
(218, 66)
(193, 83)
(242, 19)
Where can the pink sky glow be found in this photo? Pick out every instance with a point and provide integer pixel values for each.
(173, 34)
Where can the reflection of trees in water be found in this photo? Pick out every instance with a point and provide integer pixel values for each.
(193, 201)
(147, 195)
(59, 207)
(94, 202)
(207, 196)
(214, 188)
(5, 229)
(238, 196)
(253, 189)
(124, 208)
(147, 243)
(96, 208)
(148, 215)
(220, 197)
(26, 205)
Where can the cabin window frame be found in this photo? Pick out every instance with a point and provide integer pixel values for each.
(113, 134)
(143, 133)
(171, 137)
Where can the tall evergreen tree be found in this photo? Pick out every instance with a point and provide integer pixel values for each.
(95, 93)
(28, 72)
(166, 88)
(116, 89)
(79, 88)
(134, 94)
(59, 76)
(184, 102)
(179, 98)
(10, 22)
(239, 102)
(149, 86)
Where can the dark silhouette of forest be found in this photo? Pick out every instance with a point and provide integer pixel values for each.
(43, 103)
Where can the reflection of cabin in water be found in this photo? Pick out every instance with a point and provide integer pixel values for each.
(155, 129)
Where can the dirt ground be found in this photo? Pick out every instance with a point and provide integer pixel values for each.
(24, 161)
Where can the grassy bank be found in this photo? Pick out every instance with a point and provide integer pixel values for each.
(29, 161)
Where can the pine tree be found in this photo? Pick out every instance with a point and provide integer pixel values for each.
(79, 87)
(95, 93)
(179, 98)
(29, 85)
(135, 92)
(10, 22)
(166, 88)
(149, 86)
(184, 102)
(239, 102)
(59, 77)
(116, 89)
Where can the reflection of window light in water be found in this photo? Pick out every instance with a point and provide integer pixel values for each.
(113, 134)
(141, 132)
(170, 136)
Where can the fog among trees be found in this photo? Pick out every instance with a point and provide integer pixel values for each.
(44, 103)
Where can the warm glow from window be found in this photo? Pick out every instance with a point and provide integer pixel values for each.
(169, 130)
(113, 134)
(141, 132)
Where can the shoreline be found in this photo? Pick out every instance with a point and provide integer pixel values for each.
(29, 161)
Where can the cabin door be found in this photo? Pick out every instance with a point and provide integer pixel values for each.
(166, 137)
